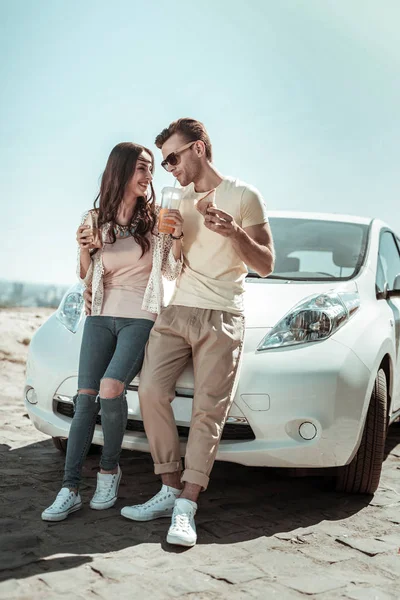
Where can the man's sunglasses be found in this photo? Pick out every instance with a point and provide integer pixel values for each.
(174, 158)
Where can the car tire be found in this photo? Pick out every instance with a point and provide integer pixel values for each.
(61, 444)
(362, 474)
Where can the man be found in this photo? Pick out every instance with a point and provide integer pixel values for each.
(204, 320)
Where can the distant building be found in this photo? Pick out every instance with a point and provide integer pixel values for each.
(16, 293)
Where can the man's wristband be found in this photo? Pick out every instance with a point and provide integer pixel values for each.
(176, 238)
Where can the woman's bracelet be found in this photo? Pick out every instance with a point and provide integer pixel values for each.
(176, 238)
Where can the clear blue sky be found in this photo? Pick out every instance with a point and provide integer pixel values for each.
(301, 99)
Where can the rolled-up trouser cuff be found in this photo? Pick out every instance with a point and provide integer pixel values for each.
(171, 467)
(196, 477)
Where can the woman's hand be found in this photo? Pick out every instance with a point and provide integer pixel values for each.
(87, 296)
(174, 218)
(84, 237)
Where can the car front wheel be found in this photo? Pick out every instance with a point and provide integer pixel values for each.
(61, 444)
(362, 475)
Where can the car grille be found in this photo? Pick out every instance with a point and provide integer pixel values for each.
(232, 431)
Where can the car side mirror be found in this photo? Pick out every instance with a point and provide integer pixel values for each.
(395, 291)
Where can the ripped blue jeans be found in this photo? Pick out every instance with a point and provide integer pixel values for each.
(112, 347)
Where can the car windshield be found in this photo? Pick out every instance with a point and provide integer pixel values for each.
(313, 249)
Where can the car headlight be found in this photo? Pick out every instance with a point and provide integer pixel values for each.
(70, 311)
(312, 320)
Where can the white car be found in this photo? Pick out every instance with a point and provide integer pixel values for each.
(320, 378)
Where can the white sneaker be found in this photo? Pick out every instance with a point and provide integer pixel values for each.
(183, 528)
(65, 503)
(106, 493)
(161, 505)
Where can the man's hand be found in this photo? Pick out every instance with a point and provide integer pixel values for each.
(206, 202)
(87, 296)
(221, 222)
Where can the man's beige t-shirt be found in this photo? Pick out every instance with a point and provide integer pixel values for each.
(213, 274)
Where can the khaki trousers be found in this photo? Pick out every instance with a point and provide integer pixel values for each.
(214, 339)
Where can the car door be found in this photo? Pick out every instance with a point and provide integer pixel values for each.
(387, 271)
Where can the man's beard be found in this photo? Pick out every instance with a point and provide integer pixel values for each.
(194, 175)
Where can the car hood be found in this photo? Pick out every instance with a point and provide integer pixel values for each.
(267, 301)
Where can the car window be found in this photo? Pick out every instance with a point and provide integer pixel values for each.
(315, 261)
(388, 261)
(380, 276)
(314, 249)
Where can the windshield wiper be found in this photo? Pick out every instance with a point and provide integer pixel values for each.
(256, 276)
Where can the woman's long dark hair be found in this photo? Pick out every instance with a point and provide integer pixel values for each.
(119, 169)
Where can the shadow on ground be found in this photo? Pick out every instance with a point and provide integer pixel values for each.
(242, 503)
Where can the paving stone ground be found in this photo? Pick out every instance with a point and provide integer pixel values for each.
(261, 533)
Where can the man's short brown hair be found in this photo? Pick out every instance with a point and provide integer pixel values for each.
(190, 129)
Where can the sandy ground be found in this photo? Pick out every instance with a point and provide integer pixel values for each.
(261, 534)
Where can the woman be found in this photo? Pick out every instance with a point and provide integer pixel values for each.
(122, 259)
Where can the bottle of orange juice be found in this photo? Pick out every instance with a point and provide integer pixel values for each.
(170, 199)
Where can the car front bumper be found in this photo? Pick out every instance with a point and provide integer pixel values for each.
(305, 406)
